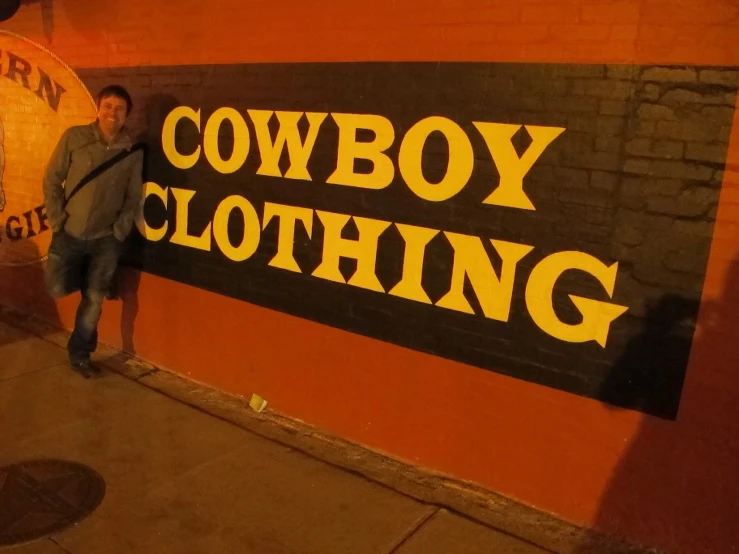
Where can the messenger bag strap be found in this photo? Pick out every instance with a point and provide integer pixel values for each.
(99, 170)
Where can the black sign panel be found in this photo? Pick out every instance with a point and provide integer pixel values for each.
(619, 171)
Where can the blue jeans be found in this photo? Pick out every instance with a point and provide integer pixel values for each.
(87, 266)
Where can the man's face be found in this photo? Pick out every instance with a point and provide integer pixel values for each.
(112, 114)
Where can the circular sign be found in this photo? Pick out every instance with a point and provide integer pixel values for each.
(40, 97)
(39, 498)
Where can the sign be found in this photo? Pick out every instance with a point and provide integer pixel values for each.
(40, 97)
(540, 221)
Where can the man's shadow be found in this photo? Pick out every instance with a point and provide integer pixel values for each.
(674, 480)
(149, 121)
(24, 292)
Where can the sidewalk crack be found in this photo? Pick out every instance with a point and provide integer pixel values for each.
(52, 539)
(412, 530)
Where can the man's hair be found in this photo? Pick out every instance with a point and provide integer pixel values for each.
(119, 92)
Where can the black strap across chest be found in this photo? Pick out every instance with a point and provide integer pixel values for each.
(102, 168)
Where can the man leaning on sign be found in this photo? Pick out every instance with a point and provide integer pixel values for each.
(92, 189)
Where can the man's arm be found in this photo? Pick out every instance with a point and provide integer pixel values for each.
(132, 199)
(56, 174)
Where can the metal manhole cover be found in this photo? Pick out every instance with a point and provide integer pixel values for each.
(41, 497)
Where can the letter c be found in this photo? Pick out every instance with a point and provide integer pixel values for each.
(180, 161)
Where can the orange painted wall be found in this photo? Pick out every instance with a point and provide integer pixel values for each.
(668, 484)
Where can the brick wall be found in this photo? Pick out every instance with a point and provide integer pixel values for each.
(638, 182)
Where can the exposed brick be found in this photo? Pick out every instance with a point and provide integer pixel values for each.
(694, 14)
(683, 96)
(582, 124)
(639, 147)
(624, 32)
(573, 178)
(645, 128)
(550, 13)
(598, 215)
(693, 228)
(604, 181)
(594, 198)
(512, 33)
(620, 71)
(669, 75)
(632, 194)
(684, 259)
(655, 223)
(685, 131)
(655, 274)
(576, 145)
(578, 32)
(581, 71)
(671, 169)
(727, 77)
(622, 253)
(610, 125)
(619, 90)
(664, 187)
(605, 161)
(656, 112)
(608, 144)
(581, 230)
(717, 114)
(630, 235)
(613, 107)
(706, 152)
(655, 148)
(650, 92)
(611, 12)
(571, 104)
(668, 149)
(693, 202)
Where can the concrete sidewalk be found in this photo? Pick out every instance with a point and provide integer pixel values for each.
(182, 481)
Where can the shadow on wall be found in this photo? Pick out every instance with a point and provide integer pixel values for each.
(669, 474)
(147, 124)
(47, 15)
(90, 23)
(95, 23)
(22, 287)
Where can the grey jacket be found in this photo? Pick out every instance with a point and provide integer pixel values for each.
(106, 205)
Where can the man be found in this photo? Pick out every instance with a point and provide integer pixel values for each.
(89, 231)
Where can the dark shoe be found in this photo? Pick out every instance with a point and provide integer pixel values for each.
(85, 368)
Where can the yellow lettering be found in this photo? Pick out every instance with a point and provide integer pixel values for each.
(350, 150)
(241, 140)
(180, 235)
(511, 168)
(252, 228)
(597, 316)
(364, 250)
(493, 293)
(298, 151)
(461, 159)
(416, 240)
(178, 160)
(149, 233)
(288, 215)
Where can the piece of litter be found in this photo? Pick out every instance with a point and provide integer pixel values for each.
(257, 403)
